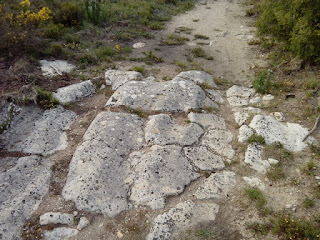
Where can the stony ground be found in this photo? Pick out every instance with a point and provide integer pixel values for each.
(144, 158)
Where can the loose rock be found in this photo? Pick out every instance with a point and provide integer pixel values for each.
(84, 222)
(56, 67)
(239, 96)
(253, 158)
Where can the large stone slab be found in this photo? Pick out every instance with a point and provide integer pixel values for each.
(290, 135)
(117, 78)
(159, 173)
(198, 77)
(75, 92)
(61, 233)
(181, 216)
(98, 178)
(162, 130)
(36, 133)
(208, 120)
(216, 186)
(219, 141)
(204, 159)
(22, 188)
(171, 96)
(239, 96)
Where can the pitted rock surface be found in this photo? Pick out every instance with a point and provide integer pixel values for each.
(241, 117)
(45, 133)
(239, 96)
(98, 178)
(253, 157)
(117, 78)
(290, 135)
(56, 218)
(216, 186)
(159, 173)
(208, 121)
(60, 233)
(204, 159)
(219, 141)
(198, 77)
(170, 96)
(22, 189)
(244, 133)
(162, 130)
(75, 92)
(187, 213)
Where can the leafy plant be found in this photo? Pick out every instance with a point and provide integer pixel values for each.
(262, 83)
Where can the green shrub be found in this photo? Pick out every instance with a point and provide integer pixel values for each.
(68, 13)
(295, 23)
(262, 83)
(54, 31)
(45, 99)
(254, 138)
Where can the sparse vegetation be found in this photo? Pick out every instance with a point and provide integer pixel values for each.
(140, 69)
(262, 83)
(255, 138)
(174, 39)
(45, 99)
(200, 36)
(200, 53)
(275, 173)
(308, 203)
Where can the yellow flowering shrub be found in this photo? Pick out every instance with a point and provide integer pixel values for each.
(19, 25)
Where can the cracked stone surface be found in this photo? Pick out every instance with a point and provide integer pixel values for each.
(208, 120)
(199, 77)
(253, 157)
(184, 214)
(36, 133)
(170, 96)
(162, 130)
(215, 96)
(98, 178)
(159, 173)
(22, 189)
(239, 96)
(117, 78)
(219, 141)
(75, 92)
(290, 135)
(204, 159)
(216, 186)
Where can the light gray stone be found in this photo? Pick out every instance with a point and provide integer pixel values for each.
(198, 77)
(244, 133)
(255, 100)
(162, 130)
(219, 141)
(117, 78)
(60, 233)
(83, 222)
(22, 188)
(241, 117)
(159, 172)
(207, 121)
(268, 97)
(273, 161)
(183, 215)
(98, 178)
(56, 218)
(290, 135)
(75, 92)
(252, 110)
(253, 157)
(170, 96)
(216, 186)
(239, 96)
(204, 159)
(215, 96)
(55, 67)
(43, 134)
(254, 182)
(138, 45)
(208, 103)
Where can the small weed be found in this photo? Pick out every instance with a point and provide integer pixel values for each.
(150, 58)
(6, 124)
(310, 167)
(156, 25)
(181, 65)
(200, 53)
(45, 99)
(262, 83)
(138, 112)
(308, 203)
(200, 36)
(210, 109)
(140, 69)
(254, 194)
(312, 83)
(259, 228)
(275, 173)
(205, 85)
(254, 138)
(195, 20)
(286, 155)
(204, 234)
(174, 39)
(315, 149)
(185, 30)
(166, 78)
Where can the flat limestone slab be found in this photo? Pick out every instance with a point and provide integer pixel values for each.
(162, 130)
(39, 133)
(98, 178)
(159, 173)
(22, 188)
(198, 77)
(56, 67)
(253, 157)
(75, 92)
(290, 135)
(171, 96)
(117, 78)
(239, 96)
(183, 215)
(207, 121)
(216, 186)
